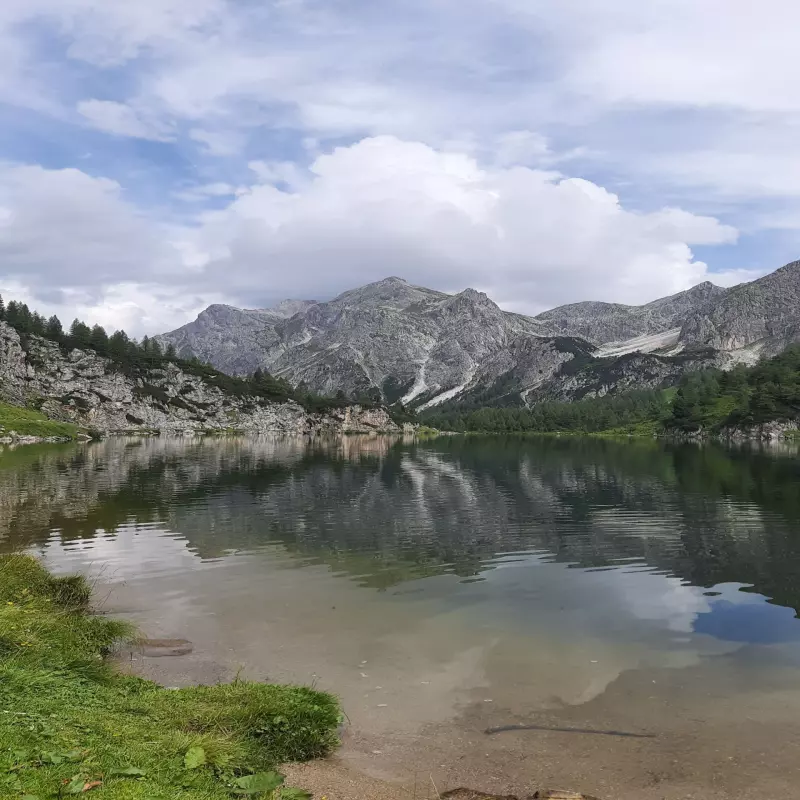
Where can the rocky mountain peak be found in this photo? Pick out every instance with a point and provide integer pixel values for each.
(792, 268)
(473, 301)
(217, 309)
(391, 280)
(752, 319)
(425, 347)
(390, 292)
(474, 296)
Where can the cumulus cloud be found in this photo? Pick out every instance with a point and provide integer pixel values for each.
(384, 206)
(137, 308)
(544, 152)
(66, 228)
(381, 206)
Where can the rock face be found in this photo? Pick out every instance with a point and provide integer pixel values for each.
(752, 319)
(601, 376)
(601, 323)
(425, 347)
(411, 343)
(82, 387)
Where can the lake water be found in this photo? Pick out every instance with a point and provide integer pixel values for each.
(633, 604)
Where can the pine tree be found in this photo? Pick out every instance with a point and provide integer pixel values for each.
(98, 340)
(80, 335)
(53, 329)
(38, 324)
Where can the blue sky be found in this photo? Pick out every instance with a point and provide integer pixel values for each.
(161, 155)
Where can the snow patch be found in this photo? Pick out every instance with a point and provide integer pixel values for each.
(640, 344)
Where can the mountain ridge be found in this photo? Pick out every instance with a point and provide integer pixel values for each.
(425, 347)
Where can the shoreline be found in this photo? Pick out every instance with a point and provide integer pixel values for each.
(72, 723)
(786, 433)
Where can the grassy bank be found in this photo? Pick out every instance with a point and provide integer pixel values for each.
(69, 724)
(27, 422)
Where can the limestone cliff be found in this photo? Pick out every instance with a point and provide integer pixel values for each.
(83, 388)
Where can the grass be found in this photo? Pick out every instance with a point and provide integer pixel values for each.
(426, 432)
(648, 429)
(70, 724)
(27, 422)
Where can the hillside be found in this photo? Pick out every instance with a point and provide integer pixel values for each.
(761, 402)
(96, 393)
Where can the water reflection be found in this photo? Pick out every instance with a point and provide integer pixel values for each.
(384, 512)
(448, 587)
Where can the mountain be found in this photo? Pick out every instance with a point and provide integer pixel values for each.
(750, 320)
(411, 343)
(424, 347)
(231, 338)
(602, 323)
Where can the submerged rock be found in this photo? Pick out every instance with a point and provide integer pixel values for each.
(160, 648)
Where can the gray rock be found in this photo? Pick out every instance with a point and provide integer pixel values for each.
(425, 347)
(601, 323)
(412, 343)
(83, 388)
(752, 319)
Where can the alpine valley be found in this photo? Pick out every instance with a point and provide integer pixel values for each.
(424, 348)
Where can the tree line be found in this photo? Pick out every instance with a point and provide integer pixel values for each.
(708, 399)
(742, 396)
(581, 416)
(135, 358)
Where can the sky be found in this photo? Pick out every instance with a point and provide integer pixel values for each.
(162, 155)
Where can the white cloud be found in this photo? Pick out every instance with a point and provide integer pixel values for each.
(218, 143)
(384, 206)
(672, 104)
(197, 194)
(531, 238)
(112, 33)
(724, 53)
(66, 228)
(137, 308)
(122, 120)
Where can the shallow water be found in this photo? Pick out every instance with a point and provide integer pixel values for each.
(444, 588)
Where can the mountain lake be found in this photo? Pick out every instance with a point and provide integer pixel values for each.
(507, 613)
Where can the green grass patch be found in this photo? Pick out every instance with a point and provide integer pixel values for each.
(647, 430)
(28, 422)
(68, 721)
(426, 432)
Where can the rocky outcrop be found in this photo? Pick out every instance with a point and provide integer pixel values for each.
(601, 323)
(597, 377)
(753, 319)
(83, 388)
(768, 432)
